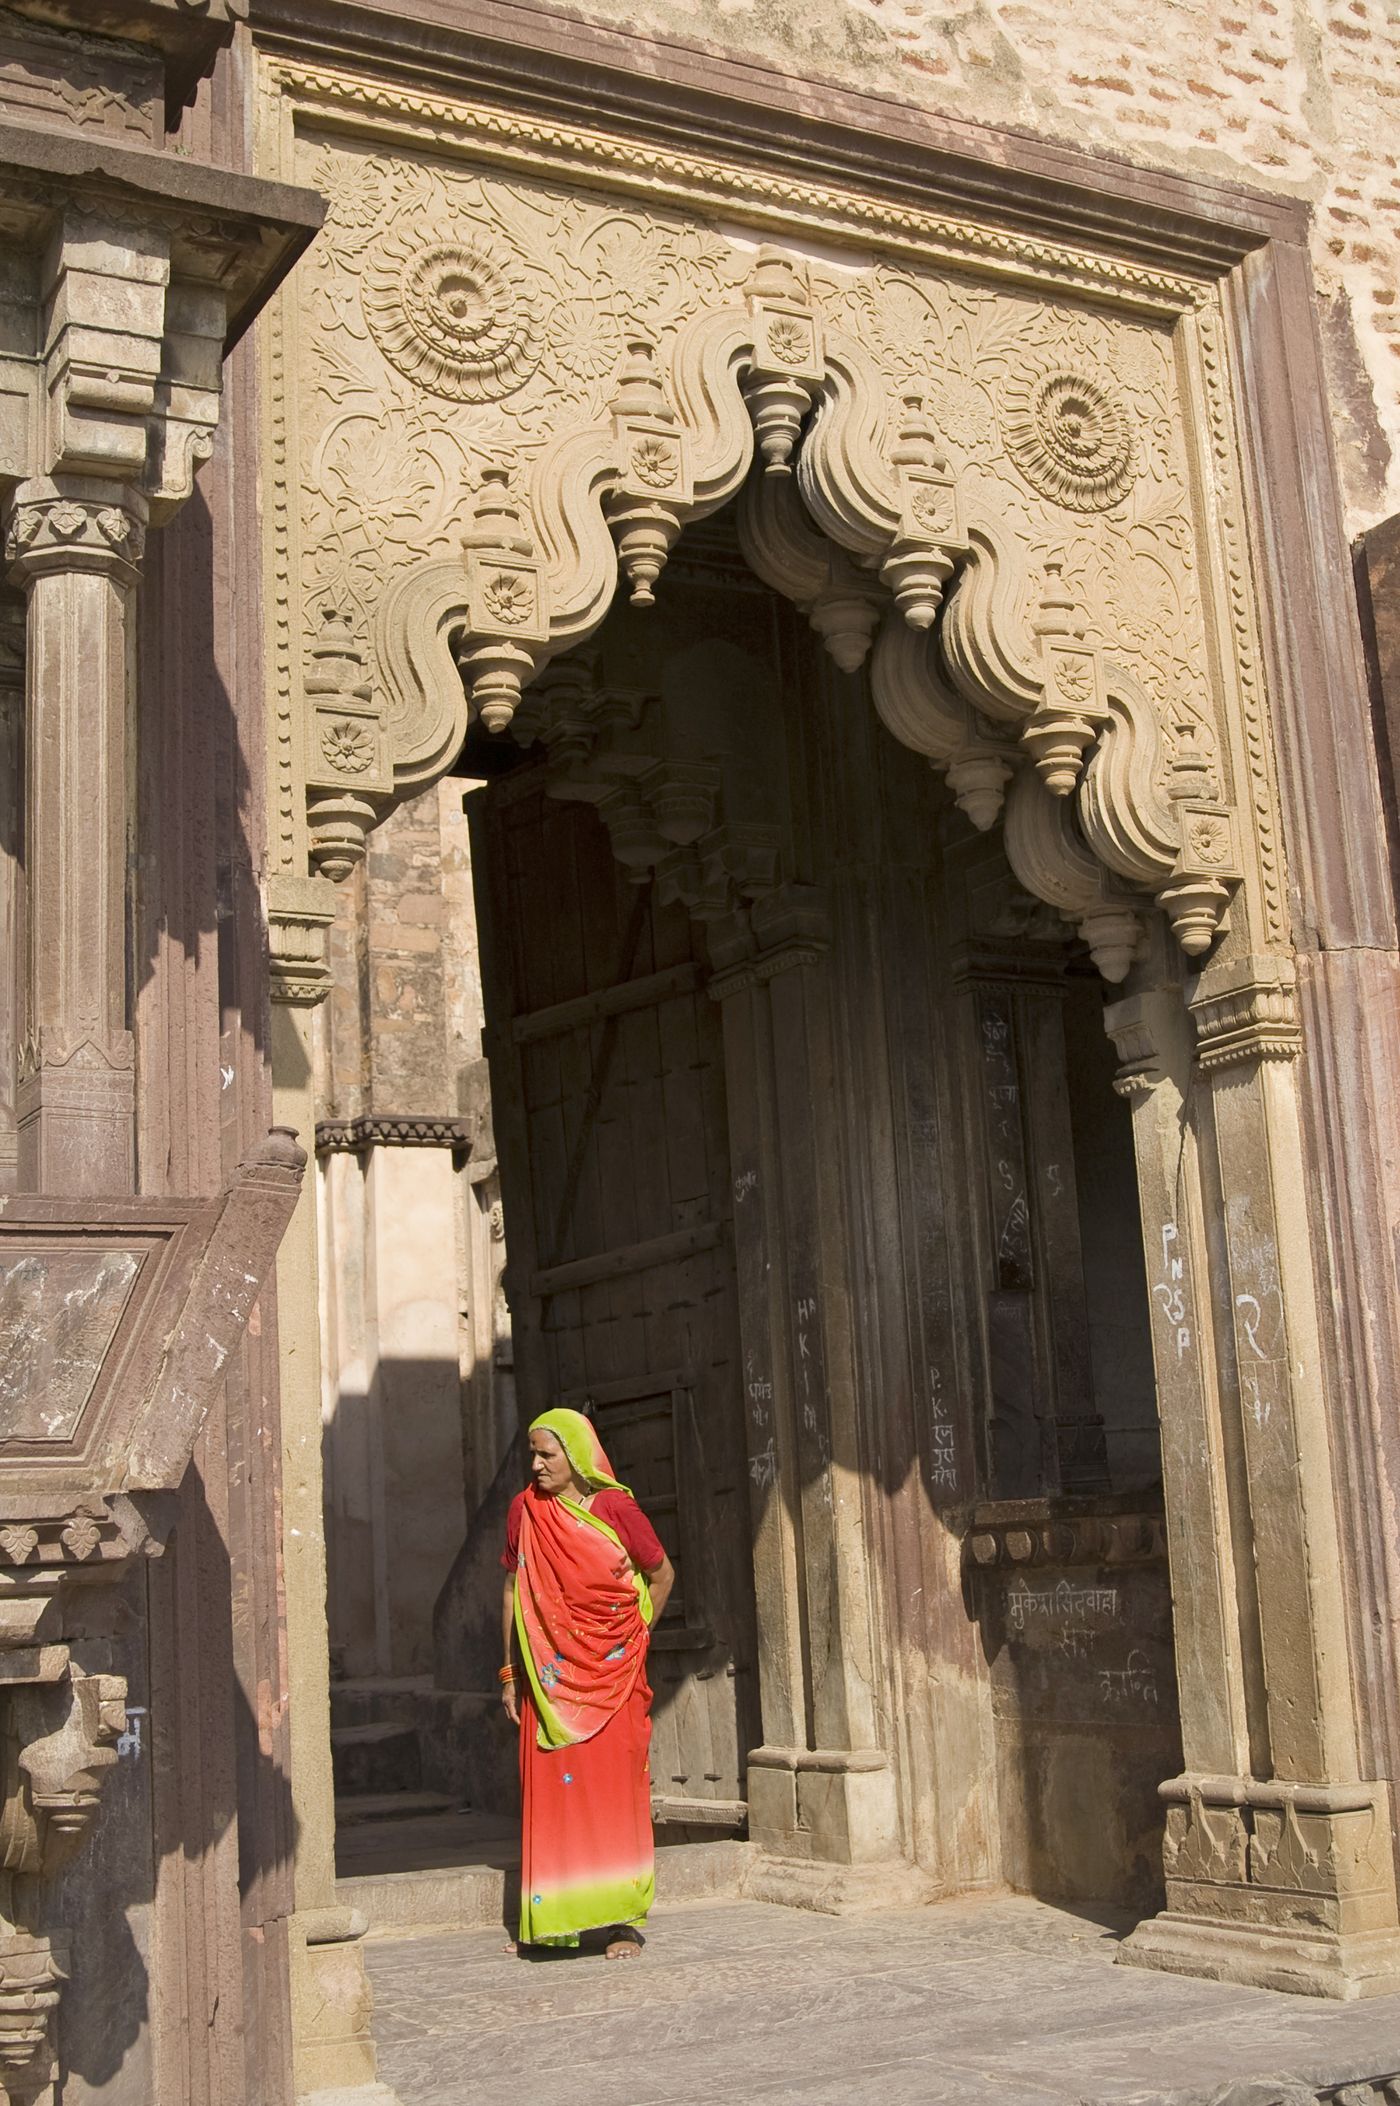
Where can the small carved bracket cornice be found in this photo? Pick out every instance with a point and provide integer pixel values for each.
(394, 1130)
(1246, 1010)
(1132, 1025)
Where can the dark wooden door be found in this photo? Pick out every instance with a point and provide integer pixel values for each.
(608, 1097)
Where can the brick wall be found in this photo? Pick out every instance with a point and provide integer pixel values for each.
(1295, 95)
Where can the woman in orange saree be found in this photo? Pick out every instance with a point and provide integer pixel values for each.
(586, 1580)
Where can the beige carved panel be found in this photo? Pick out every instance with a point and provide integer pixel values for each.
(495, 389)
(1064, 425)
(453, 321)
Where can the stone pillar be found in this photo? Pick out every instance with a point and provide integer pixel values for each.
(822, 1802)
(75, 545)
(1277, 1851)
(13, 946)
(333, 2049)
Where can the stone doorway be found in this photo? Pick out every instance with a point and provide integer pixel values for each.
(841, 1248)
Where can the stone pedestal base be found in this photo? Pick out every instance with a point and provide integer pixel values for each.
(837, 1890)
(332, 2005)
(832, 1804)
(1278, 1885)
(1319, 1963)
(824, 1822)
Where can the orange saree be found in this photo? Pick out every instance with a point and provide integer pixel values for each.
(581, 1616)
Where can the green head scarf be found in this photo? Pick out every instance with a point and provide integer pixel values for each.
(581, 1444)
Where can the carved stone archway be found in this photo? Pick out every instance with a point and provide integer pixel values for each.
(1021, 692)
(1006, 467)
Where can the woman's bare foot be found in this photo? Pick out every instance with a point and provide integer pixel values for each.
(625, 1943)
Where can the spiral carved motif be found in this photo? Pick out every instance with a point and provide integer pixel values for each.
(452, 318)
(1071, 437)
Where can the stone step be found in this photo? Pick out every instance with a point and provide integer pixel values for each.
(468, 1896)
(378, 1757)
(356, 1808)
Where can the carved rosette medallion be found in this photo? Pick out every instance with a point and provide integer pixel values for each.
(348, 748)
(452, 318)
(1071, 437)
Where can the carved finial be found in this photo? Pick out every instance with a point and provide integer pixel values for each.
(917, 445)
(921, 556)
(652, 478)
(496, 518)
(977, 777)
(1054, 615)
(787, 363)
(776, 276)
(505, 592)
(639, 389)
(279, 1149)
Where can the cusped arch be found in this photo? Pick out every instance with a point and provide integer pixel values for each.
(991, 671)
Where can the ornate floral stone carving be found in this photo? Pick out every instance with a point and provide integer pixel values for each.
(451, 316)
(966, 452)
(1071, 437)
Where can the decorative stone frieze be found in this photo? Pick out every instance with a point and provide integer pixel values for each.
(1005, 1537)
(56, 530)
(182, 36)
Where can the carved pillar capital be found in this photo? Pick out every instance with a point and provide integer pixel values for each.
(1247, 1009)
(57, 526)
(299, 915)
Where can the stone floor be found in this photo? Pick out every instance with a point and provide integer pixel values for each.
(992, 2003)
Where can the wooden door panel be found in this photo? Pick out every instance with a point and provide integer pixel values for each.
(608, 1099)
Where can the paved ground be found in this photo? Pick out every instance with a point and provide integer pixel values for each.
(992, 2003)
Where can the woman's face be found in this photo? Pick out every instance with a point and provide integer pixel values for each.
(549, 1465)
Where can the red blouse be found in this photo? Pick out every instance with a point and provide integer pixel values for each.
(623, 1516)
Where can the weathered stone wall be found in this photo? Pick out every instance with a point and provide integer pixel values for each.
(410, 1265)
(1302, 97)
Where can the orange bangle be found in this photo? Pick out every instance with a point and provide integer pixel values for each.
(505, 1674)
